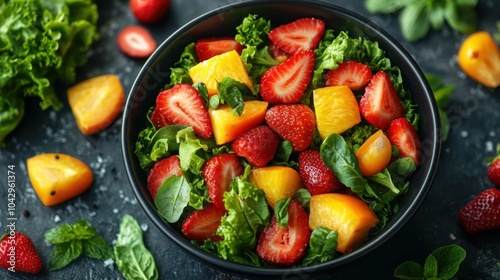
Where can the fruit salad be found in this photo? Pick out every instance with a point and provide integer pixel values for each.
(280, 145)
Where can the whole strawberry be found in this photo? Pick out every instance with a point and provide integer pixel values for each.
(317, 177)
(149, 11)
(494, 168)
(482, 213)
(257, 146)
(26, 258)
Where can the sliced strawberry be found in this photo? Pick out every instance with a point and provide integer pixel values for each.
(402, 135)
(218, 171)
(257, 146)
(278, 53)
(210, 47)
(299, 35)
(353, 74)
(285, 246)
(161, 171)
(293, 122)
(380, 103)
(158, 119)
(286, 83)
(182, 104)
(316, 176)
(136, 41)
(202, 224)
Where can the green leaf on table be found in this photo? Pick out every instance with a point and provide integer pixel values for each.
(409, 270)
(442, 94)
(97, 248)
(65, 253)
(461, 17)
(132, 257)
(414, 21)
(383, 6)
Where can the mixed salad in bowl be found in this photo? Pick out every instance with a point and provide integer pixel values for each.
(280, 145)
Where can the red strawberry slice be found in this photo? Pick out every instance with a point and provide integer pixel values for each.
(285, 246)
(278, 53)
(299, 35)
(294, 123)
(353, 74)
(316, 176)
(158, 119)
(402, 135)
(210, 47)
(18, 252)
(286, 83)
(202, 224)
(257, 146)
(161, 171)
(136, 41)
(380, 103)
(482, 213)
(182, 104)
(218, 172)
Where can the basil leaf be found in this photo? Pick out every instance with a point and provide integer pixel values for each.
(384, 6)
(414, 21)
(64, 253)
(303, 196)
(436, 10)
(281, 211)
(232, 93)
(339, 158)
(409, 270)
(203, 91)
(461, 18)
(466, 2)
(322, 246)
(131, 255)
(97, 248)
(172, 198)
(384, 178)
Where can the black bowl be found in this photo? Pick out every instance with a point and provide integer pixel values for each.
(223, 21)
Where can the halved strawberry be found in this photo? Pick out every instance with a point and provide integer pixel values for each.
(158, 119)
(136, 41)
(218, 171)
(285, 246)
(380, 103)
(202, 224)
(353, 74)
(294, 123)
(402, 135)
(182, 104)
(286, 83)
(299, 35)
(209, 47)
(161, 171)
(258, 145)
(316, 176)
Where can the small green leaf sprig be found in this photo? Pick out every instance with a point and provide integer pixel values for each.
(442, 264)
(417, 17)
(71, 241)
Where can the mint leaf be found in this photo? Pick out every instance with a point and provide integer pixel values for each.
(83, 230)
(449, 259)
(131, 255)
(409, 271)
(64, 253)
(431, 267)
(97, 248)
(61, 234)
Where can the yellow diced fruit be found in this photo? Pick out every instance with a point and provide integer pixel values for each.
(375, 154)
(277, 182)
(58, 177)
(351, 217)
(96, 102)
(336, 110)
(227, 126)
(214, 69)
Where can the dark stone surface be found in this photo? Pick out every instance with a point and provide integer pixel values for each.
(473, 111)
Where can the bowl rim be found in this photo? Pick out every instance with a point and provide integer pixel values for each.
(236, 268)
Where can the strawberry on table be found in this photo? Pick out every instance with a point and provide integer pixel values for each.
(482, 213)
(316, 176)
(293, 122)
(257, 146)
(494, 168)
(218, 171)
(299, 35)
(202, 224)
(161, 171)
(380, 103)
(26, 257)
(149, 11)
(286, 82)
(285, 246)
(402, 135)
(182, 104)
(209, 47)
(136, 41)
(353, 74)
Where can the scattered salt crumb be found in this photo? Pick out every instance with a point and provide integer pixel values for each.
(109, 263)
(144, 227)
(52, 116)
(464, 133)
(57, 218)
(492, 133)
(452, 236)
(115, 211)
(103, 188)
(489, 146)
(92, 214)
(462, 75)
(69, 208)
(120, 194)
(133, 201)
